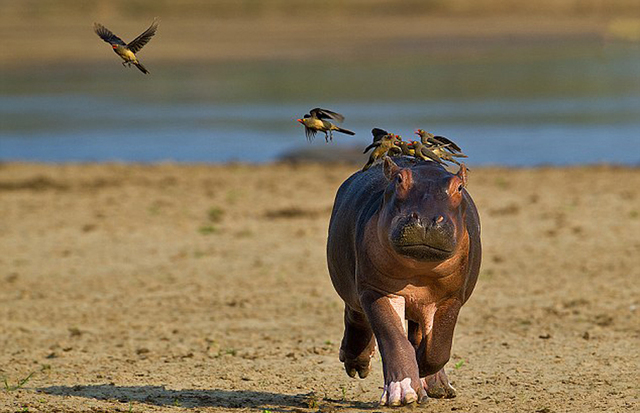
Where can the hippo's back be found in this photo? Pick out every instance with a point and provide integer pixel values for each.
(357, 199)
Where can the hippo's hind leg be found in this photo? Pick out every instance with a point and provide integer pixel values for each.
(358, 344)
(436, 385)
(433, 349)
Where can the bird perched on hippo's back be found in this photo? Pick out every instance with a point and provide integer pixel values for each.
(406, 148)
(441, 146)
(378, 134)
(398, 149)
(384, 143)
(127, 51)
(423, 152)
(444, 154)
(317, 120)
(429, 139)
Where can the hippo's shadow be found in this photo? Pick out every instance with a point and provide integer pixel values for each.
(160, 396)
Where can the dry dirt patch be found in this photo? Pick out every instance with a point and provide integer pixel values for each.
(204, 288)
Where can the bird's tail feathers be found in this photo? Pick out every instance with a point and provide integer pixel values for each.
(368, 148)
(142, 68)
(368, 164)
(347, 131)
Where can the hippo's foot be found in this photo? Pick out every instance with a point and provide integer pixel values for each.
(437, 386)
(360, 364)
(358, 344)
(400, 393)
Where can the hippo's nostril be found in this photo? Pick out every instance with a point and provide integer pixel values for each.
(437, 221)
(414, 215)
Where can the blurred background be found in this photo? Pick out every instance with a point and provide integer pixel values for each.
(514, 83)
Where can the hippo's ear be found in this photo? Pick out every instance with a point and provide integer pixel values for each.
(390, 168)
(462, 174)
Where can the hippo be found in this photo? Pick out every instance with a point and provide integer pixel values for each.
(403, 253)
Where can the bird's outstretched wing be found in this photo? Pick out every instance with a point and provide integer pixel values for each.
(378, 134)
(137, 43)
(106, 35)
(326, 114)
(448, 143)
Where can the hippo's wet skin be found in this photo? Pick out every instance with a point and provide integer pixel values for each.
(404, 244)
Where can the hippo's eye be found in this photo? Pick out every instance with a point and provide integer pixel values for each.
(460, 188)
(399, 178)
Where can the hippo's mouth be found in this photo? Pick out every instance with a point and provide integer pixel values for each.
(423, 252)
(424, 244)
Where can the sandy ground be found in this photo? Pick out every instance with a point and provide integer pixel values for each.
(204, 288)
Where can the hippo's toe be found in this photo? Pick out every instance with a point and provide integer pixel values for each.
(437, 386)
(360, 365)
(400, 393)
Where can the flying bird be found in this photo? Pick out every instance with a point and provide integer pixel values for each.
(317, 121)
(127, 51)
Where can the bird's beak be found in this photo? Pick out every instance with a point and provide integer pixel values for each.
(416, 131)
(299, 120)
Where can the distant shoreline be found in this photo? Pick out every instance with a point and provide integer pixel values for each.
(205, 39)
(294, 161)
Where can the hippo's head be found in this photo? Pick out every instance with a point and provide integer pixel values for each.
(422, 215)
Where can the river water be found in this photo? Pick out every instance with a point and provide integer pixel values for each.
(573, 103)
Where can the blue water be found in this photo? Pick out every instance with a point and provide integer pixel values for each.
(556, 109)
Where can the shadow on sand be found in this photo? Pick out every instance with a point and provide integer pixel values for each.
(160, 396)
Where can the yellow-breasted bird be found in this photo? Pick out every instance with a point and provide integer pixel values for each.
(430, 139)
(406, 148)
(377, 135)
(442, 147)
(396, 150)
(127, 51)
(385, 144)
(316, 121)
(442, 151)
(424, 153)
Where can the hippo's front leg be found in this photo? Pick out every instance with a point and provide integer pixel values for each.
(401, 380)
(357, 346)
(432, 340)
